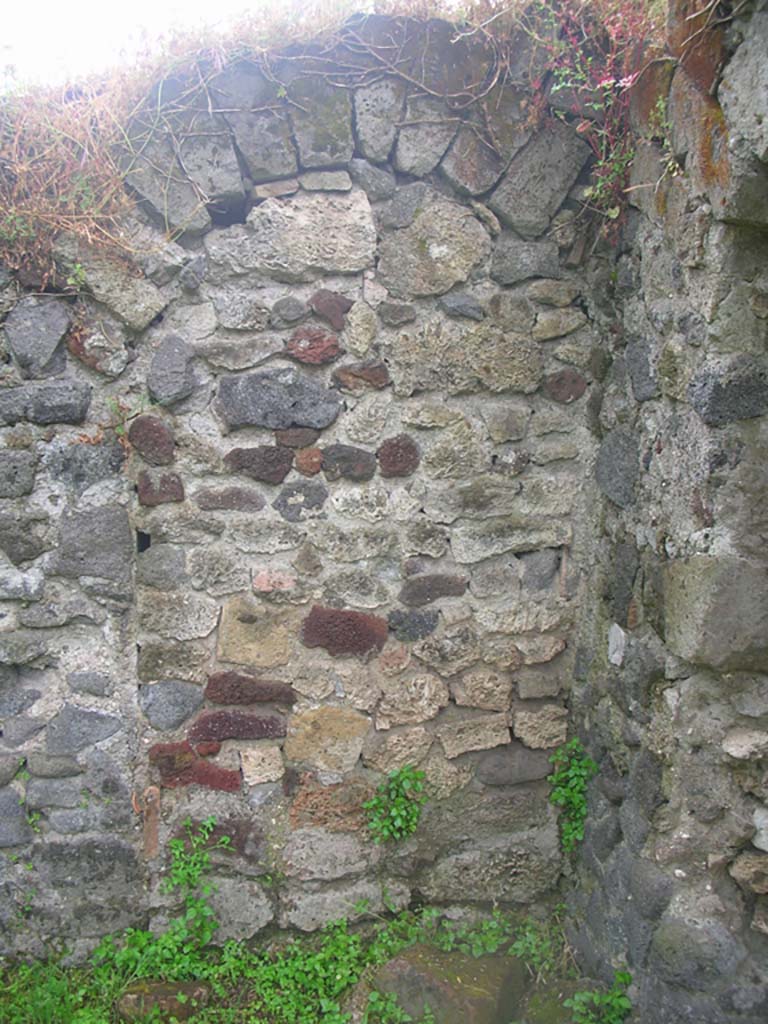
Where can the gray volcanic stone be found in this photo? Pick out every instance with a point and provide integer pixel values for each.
(744, 88)
(344, 460)
(14, 699)
(288, 311)
(21, 648)
(395, 314)
(277, 399)
(645, 386)
(729, 390)
(299, 501)
(169, 703)
(48, 766)
(14, 829)
(74, 728)
(162, 566)
(65, 792)
(22, 538)
(407, 202)
(192, 275)
(170, 376)
(538, 179)
(441, 247)
(96, 542)
(9, 765)
(514, 260)
(94, 683)
(34, 330)
(421, 144)
(412, 625)
(79, 466)
(421, 590)
(378, 108)
(617, 467)
(17, 473)
(61, 401)
(460, 304)
(301, 238)
(17, 730)
(263, 136)
(377, 182)
(21, 586)
(321, 115)
(154, 173)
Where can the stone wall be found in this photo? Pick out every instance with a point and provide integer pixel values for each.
(298, 499)
(383, 461)
(671, 685)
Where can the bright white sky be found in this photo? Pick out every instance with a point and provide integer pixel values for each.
(49, 41)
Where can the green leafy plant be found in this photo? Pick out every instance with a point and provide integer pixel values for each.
(395, 809)
(572, 771)
(595, 1007)
(542, 946)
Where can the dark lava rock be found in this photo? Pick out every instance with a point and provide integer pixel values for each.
(288, 311)
(395, 314)
(297, 437)
(398, 456)
(153, 439)
(159, 488)
(73, 729)
(735, 389)
(96, 542)
(514, 260)
(17, 473)
(94, 683)
(420, 590)
(192, 275)
(79, 466)
(617, 469)
(60, 401)
(235, 725)
(269, 463)
(34, 330)
(276, 399)
(645, 386)
(297, 501)
(344, 460)
(170, 377)
(331, 307)
(236, 688)
(377, 182)
(22, 538)
(169, 703)
(14, 828)
(459, 304)
(408, 626)
(344, 632)
(513, 764)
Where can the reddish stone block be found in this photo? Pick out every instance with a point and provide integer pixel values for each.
(297, 437)
(344, 460)
(204, 773)
(565, 386)
(235, 725)
(208, 749)
(270, 464)
(338, 808)
(309, 461)
(331, 307)
(398, 456)
(236, 499)
(313, 346)
(422, 590)
(343, 632)
(357, 376)
(153, 440)
(235, 688)
(171, 759)
(160, 489)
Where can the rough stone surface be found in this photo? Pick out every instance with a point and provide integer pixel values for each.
(14, 829)
(302, 500)
(410, 701)
(159, 488)
(438, 250)
(331, 306)
(277, 399)
(327, 738)
(236, 688)
(428, 130)
(541, 727)
(617, 469)
(423, 590)
(153, 439)
(168, 704)
(733, 390)
(398, 456)
(300, 238)
(34, 330)
(170, 377)
(343, 632)
(348, 462)
(95, 542)
(270, 464)
(478, 733)
(17, 473)
(313, 346)
(238, 499)
(514, 260)
(378, 108)
(75, 728)
(252, 636)
(215, 726)
(60, 401)
(538, 179)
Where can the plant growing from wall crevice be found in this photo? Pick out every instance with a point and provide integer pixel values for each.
(395, 809)
(572, 772)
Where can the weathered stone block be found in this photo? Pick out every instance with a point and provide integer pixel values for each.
(215, 726)
(343, 460)
(729, 390)
(300, 238)
(14, 829)
(378, 108)
(360, 376)
(96, 542)
(303, 500)
(270, 464)
(326, 738)
(60, 401)
(252, 635)
(34, 330)
(235, 499)
(515, 260)
(617, 468)
(539, 178)
(276, 399)
(74, 728)
(169, 703)
(236, 688)
(155, 488)
(343, 632)
(440, 249)
(153, 439)
(716, 612)
(313, 346)
(541, 727)
(480, 732)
